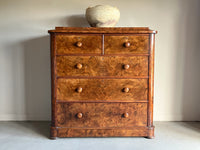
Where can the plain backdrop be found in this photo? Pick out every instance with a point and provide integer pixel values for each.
(25, 53)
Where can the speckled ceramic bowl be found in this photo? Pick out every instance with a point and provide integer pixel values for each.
(102, 16)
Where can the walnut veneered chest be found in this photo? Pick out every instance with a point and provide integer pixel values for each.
(102, 81)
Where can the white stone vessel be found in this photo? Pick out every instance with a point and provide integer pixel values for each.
(102, 16)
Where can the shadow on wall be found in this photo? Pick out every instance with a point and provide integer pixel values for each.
(37, 78)
(191, 87)
(36, 88)
(187, 89)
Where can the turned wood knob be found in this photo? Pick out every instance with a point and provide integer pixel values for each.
(126, 90)
(79, 66)
(79, 89)
(125, 115)
(79, 115)
(126, 66)
(79, 44)
(127, 44)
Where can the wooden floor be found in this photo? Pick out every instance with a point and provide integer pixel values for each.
(34, 136)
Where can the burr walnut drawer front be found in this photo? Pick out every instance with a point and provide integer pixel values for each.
(102, 89)
(82, 44)
(101, 115)
(102, 66)
(130, 44)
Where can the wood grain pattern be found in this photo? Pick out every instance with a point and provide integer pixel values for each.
(118, 44)
(70, 44)
(113, 132)
(114, 30)
(102, 81)
(102, 89)
(102, 66)
(101, 114)
(103, 132)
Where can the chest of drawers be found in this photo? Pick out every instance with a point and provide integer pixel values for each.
(102, 82)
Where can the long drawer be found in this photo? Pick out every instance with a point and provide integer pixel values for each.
(102, 89)
(100, 115)
(118, 66)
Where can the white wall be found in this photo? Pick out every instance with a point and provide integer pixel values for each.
(25, 54)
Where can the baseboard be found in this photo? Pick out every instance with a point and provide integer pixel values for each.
(176, 118)
(23, 117)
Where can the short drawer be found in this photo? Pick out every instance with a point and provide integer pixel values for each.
(117, 66)
(101, 115)
(102, 89)
(78, 44)
(130, 44)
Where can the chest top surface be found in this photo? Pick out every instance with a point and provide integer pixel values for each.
(117, 30)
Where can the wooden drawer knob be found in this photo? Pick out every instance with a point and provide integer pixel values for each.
(126, 66)
(79, 89)
(125, 115)
(126, 90)
(79, 66)
(127, 44)
(79, 115)
(79, 44)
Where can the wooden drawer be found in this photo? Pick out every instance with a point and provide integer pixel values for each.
(78, 44)
(101, 115)
(102, 66)
(130, 44)
(102, 89)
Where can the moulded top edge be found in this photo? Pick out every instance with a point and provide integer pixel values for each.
(117, 30)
